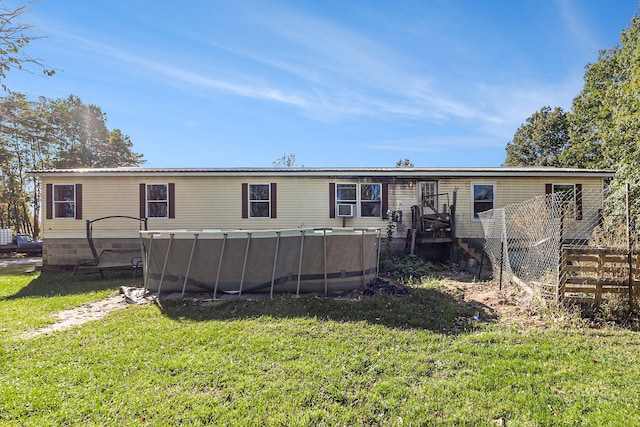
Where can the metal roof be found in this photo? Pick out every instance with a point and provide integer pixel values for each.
(442, 172)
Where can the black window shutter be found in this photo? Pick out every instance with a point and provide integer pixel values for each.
(385, 200)
(332, 200)
(172, 200)
(49, 207)
(274, 198)
(578, 201)
(548, 188)
(78, 201)
(143, 200)
(245, 200)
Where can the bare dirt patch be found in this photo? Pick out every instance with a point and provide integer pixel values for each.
(509, 303)
(17, 261)
(79, 315)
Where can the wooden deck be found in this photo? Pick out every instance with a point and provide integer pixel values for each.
(429, 226)
(428, 237)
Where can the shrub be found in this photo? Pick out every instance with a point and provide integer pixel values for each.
(408, 268)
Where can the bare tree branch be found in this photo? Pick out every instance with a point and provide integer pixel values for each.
(15, 36)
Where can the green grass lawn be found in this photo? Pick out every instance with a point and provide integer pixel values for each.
(410, 361)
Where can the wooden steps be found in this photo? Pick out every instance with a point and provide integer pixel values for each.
(469, 250)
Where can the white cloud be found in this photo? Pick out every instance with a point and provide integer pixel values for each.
(572, 16)
(345, 74)
(327, 72)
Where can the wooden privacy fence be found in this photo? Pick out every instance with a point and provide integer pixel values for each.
(590, 271)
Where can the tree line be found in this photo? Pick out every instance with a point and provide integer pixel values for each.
(602, 130)
(47, 134)
(44, 133)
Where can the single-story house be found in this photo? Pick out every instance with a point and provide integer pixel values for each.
(441, 204)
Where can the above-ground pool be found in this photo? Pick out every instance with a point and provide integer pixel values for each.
(321, 260)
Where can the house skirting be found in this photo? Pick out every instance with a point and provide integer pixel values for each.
(65, 253)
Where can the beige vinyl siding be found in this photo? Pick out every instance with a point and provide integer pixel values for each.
(508, 191)
(100, 197)
(401, 198)
(201, 203)
(205, 202)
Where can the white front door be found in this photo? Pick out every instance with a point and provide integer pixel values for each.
(428, 194)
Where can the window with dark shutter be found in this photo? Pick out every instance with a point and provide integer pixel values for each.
(370, 203)
(570, 195)
(259, 200)
(64, 201)
(157, 200)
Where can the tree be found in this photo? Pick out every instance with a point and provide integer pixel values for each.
(118, 152)
(404, 163)
(605, 123)
(63, 133)
(14, 38)
(603, 129)
(83, 139)
(25, 137)
(541, 140)
(603, 126)
(286, 161)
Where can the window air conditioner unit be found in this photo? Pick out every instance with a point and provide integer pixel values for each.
(345, 210)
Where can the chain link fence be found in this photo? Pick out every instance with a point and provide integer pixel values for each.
(526, 242)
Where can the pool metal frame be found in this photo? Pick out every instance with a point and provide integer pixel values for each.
(248, 234)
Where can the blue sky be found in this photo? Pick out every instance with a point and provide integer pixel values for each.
(359, 83)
